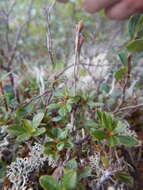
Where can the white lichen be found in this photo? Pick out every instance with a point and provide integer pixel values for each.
(19, 171)
(95, 160)
(5, 142)
(52, 163)
(3, 131)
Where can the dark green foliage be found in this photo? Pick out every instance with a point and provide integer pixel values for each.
(85, 132)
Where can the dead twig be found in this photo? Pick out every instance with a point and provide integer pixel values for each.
(79, 40)
(10, 54)
(48, 32)
(134, 107)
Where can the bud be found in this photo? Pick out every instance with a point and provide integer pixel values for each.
(79, 27)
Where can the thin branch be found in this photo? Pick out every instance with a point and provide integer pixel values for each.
(138, 106)
(79, 39)
(7, 14)
(48, 32)
(68, 67)
(14, 48)
(21, 27)
(33, 99)
(127, 79)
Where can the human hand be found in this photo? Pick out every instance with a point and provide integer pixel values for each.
(63, 1)
(115, 9)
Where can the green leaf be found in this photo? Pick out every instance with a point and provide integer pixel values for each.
(104, 87)
(107, 120)
(92, 103)
(111, 123)
(27, 126)
(63, 135)
(113, 141)
(62, 111)
(135, 46)
(127, 140)
(39, 131)
(123, 58)
(71, 164)
(53, 106)
(16, 130)
(70, 179)
(125, 178)
(96, 134)
(73, 99)
(22, 111)
(139, 28)
(37, 119)
(135, 26)
(85, 172)
(132, 25)
(23, 137)
(120, 73)
(56, 119)
(69, 107)
(120, 127)
(58, 133)
(91, 123)
(48, 148)
(69, 144)
(49, 183)
(99, 114)
(60, 146)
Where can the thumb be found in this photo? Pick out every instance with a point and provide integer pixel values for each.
(93, 6)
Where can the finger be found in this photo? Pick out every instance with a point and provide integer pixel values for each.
(63, 1)
(93, 6)
(121, 10)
